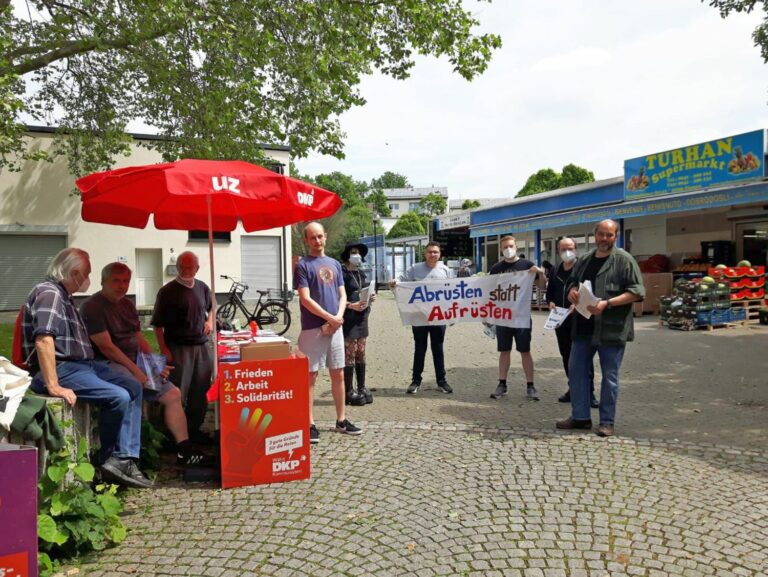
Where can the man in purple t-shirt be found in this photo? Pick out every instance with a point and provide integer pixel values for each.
(322, 297)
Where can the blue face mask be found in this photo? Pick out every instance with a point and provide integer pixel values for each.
(355, 259)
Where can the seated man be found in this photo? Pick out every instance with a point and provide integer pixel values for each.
(113, 325)
(60, 356)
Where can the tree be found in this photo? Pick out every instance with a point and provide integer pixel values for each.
(547, 179)
(433, 204)
(469, 204)
(379, 201)
(350, 191)
(409, 224)
(390, 180)
(760, 34)
(573, 175)
(215, 78)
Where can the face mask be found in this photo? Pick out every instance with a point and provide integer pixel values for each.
(568, 255)
(85, 285)
(509, 252)
(355, 259)
(187, 282)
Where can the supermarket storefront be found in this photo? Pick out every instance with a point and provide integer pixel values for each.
(666, 203)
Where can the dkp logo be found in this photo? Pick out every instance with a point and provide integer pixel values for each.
(229, 183)
(307, 198)
(280, 466)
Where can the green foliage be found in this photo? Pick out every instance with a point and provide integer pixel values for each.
(74, 516)
(469, 204)
(433, 204)
(409, 224)
(760, 33)
(547, 179)
(151, 442)
(350, 191)
(390, 180)
(379, 201)
(215, 78)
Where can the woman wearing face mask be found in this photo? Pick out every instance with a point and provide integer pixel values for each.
(558, 297)
(355, 324)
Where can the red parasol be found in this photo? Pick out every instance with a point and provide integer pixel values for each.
(212, 195)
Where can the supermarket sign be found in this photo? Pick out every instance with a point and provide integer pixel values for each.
(716, 162)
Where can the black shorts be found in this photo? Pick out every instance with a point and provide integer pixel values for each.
(505, 335)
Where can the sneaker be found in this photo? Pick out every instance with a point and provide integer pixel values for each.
(124, 472)
(347, 428)
(566, 398)
(445, 387)
(501, 390)
(571, 423)
(413, 388)
(189, 456)
(531, 393)
(314, 435)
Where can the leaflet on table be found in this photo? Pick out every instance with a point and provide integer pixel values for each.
(586, 299)
(556, 317)
(152, 365)
(367, 292)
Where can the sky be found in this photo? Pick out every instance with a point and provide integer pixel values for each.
(589, 82)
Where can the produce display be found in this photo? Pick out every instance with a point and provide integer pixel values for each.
(745, 281)
(696, 302)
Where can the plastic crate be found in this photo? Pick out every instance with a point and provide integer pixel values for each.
(738, 314)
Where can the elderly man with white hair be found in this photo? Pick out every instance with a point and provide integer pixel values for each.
(59, 352)
(183, 319)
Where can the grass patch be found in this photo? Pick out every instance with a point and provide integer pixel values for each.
(6, 339)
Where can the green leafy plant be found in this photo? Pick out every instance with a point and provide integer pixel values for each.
(151, 442)
(74, 515)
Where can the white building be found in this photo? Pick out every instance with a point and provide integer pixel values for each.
(402, 200)
(40, 215)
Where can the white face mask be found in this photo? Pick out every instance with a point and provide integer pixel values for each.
(509, 252)
(85, 285)
(568, 255)
(355, 259)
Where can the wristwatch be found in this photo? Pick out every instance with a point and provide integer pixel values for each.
(608, 303)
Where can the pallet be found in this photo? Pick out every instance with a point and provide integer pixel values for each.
(753, 307)
(734, 325)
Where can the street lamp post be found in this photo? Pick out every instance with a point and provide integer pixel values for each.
(375, 271)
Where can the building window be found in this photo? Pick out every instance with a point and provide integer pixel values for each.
(202, 235)
(394, 206)
(414, 207)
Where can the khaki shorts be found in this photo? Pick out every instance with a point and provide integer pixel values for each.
(323, 351)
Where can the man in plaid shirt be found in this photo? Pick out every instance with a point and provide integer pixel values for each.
(59, 352)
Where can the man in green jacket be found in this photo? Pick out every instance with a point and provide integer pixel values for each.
(617, 282)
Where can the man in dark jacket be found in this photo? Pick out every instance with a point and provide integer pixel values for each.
(617, 282)
(557, 296)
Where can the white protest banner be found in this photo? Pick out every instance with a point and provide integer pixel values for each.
(501, 299)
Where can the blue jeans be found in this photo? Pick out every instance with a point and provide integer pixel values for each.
(117, 396)
(582, 353)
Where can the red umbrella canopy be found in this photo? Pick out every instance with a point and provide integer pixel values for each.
(177, 195)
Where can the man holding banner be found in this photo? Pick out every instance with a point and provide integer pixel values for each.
(511, 262)
(428, 300)
(431, 269)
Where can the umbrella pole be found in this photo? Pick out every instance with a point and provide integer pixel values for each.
(214, 330)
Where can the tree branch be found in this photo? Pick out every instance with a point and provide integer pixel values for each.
(75, 47)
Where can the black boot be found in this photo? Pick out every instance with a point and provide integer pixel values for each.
(361, 388)
(352, 397)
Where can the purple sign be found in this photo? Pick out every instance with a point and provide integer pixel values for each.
(18, 510)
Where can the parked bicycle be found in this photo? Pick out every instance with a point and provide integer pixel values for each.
(270, 313)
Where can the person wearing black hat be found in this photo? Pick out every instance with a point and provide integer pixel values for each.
(355, 324)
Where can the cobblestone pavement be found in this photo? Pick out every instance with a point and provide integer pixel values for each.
(466, 486)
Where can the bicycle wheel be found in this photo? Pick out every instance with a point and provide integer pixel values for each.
(275, 316)
(226, 312)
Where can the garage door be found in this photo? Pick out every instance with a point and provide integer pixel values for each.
(261, 263)
(23, 262)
